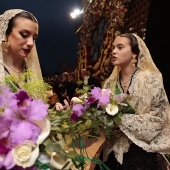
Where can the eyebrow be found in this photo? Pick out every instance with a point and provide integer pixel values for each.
(119, 44)
(28, 32)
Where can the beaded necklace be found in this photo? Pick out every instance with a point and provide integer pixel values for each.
(126, 82)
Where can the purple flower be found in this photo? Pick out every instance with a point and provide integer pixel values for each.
(3, 146)
(32, 131)
(21, 119)
(20, 168)
(78, 110)
(96, 93)
(8, 161)
(74, 117)
(22, 98)
(7, 98)
(90, 100)
(6, 119)
(105, 98)
(101, 95)
(120, 97)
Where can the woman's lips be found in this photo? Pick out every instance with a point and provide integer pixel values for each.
(27, 51)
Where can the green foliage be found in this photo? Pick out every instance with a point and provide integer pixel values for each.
(35, 86)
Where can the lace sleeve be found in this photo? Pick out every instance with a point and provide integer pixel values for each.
(145, 126)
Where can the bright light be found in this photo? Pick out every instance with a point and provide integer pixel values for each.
(75, 13)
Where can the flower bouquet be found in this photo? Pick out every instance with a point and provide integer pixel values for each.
(23, 128)
(93, 115)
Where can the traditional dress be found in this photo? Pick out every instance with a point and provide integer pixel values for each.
(32, 60)
(146, 133)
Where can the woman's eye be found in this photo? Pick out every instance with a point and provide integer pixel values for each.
(34, 38)
(24, 35)
(120, 47)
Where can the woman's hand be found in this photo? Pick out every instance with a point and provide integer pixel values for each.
(59, 106)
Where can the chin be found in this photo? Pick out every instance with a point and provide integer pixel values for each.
(24, 56)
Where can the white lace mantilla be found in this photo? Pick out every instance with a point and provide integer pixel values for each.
(32, 59)
(149, 127)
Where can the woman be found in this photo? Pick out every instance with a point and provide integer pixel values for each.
(18, 31)
(145, 134)
(18, 56)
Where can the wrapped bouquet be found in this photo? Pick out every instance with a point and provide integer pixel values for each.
(79, 131)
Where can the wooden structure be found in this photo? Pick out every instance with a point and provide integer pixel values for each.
(102, 20)
(137, 17)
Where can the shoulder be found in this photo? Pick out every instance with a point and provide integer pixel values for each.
(149, 74)
(150, 78)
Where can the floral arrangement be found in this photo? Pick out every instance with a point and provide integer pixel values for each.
(91, 115)
(23, 128)
(27, 100)
(35, 86)
(55, 138)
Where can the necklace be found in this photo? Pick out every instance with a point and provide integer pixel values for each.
(124, 86)
(126, 81)
(18, 72)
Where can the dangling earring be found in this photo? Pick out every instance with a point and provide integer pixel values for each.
(5, 45)
(134, 61)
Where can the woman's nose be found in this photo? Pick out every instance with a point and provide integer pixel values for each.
(30, 41)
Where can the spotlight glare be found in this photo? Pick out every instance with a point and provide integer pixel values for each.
(77, 11)
(73, 15)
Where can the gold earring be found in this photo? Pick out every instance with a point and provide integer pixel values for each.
(134, 61)
(5, 45)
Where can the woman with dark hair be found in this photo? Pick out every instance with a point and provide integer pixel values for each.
(18, 32)
(20, 67)
(143, 135)
(18, 55)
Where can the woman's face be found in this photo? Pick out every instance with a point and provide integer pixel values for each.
(121, 52)
(22, 37)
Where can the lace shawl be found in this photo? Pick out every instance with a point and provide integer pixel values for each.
(32, 59)
(149, 127)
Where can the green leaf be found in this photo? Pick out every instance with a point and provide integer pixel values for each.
(81, 127)
(88, 123)
(117, 118)
(65, 126)
(72, 154)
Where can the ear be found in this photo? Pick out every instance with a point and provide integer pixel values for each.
(134, 55)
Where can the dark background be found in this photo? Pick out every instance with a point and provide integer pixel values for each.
(158, 38)
(57, 42)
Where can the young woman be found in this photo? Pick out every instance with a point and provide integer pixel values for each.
(18, 32)
(146, 132)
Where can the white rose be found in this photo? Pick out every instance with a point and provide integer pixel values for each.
(25, 154)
